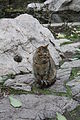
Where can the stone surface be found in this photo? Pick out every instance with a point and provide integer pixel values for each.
(35, 107)
(21, 82)
(35, 6)
(19, 39)
(77, 97)
(70, 47)
(60, 41)
(71, 64)
(55, 18)
(74, 5)
(75, 86)
(62, 77)
(51, 5)
(63, 74)
(25, 82)
(57, 5)
(60, 24)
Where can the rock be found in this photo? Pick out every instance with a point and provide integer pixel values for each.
(77, 97)
(36, 6)
(74, 5)
(72, 64)
(47, 2)
(36, 107)
(60, 41)
(62, 77)
(58, 87)
(19, 38)
(75, 86)
(25, 82)
(21, 82)
(55, 5)
(57, 43)
(64, 74)
(59, 5)
(73, 47)
(51, 5)
(55, 18)
(60, 24)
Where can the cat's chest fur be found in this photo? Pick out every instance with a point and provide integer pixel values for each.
(42, 69)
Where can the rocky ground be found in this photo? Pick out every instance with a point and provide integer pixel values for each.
(20, 37)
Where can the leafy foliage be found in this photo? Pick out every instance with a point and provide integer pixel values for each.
(14, 102)
(60, 117)
(74, 73)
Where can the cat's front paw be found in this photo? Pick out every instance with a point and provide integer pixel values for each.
(45, 83)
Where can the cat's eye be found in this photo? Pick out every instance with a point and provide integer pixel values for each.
(39, 54)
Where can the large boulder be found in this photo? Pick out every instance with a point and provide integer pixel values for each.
(36, 6)
(36, 107)
(51, 5)
(57, 5)
(74, 5)
(19, 38)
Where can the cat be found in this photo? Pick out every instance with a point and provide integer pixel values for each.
(44, 68)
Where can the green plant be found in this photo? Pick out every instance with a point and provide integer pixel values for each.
(60, 117)
(74, 73)
(68, 91)
(14, 102)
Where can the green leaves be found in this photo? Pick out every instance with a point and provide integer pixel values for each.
(60, 117)
(3, 79)
(14, 102)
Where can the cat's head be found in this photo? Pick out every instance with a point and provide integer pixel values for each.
(43, 53)
(43, 48)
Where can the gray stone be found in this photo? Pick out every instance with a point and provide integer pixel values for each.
(60, 41)
(74, 5)
(36, 6)
(24, 82)
(19, 38)
(36, 107)
(55, 5)
(77, 97)
(62, 77)
(58, 5)
(50, 1)
(71, 64)
(64, 74)
(75, 86)
(51, 5)
(21, 82)
(60, 24)
(55, 18)
(58, 87)
(70, 47)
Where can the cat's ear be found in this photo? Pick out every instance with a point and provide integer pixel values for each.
(46, 46)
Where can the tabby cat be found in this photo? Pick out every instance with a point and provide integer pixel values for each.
(44, 67)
